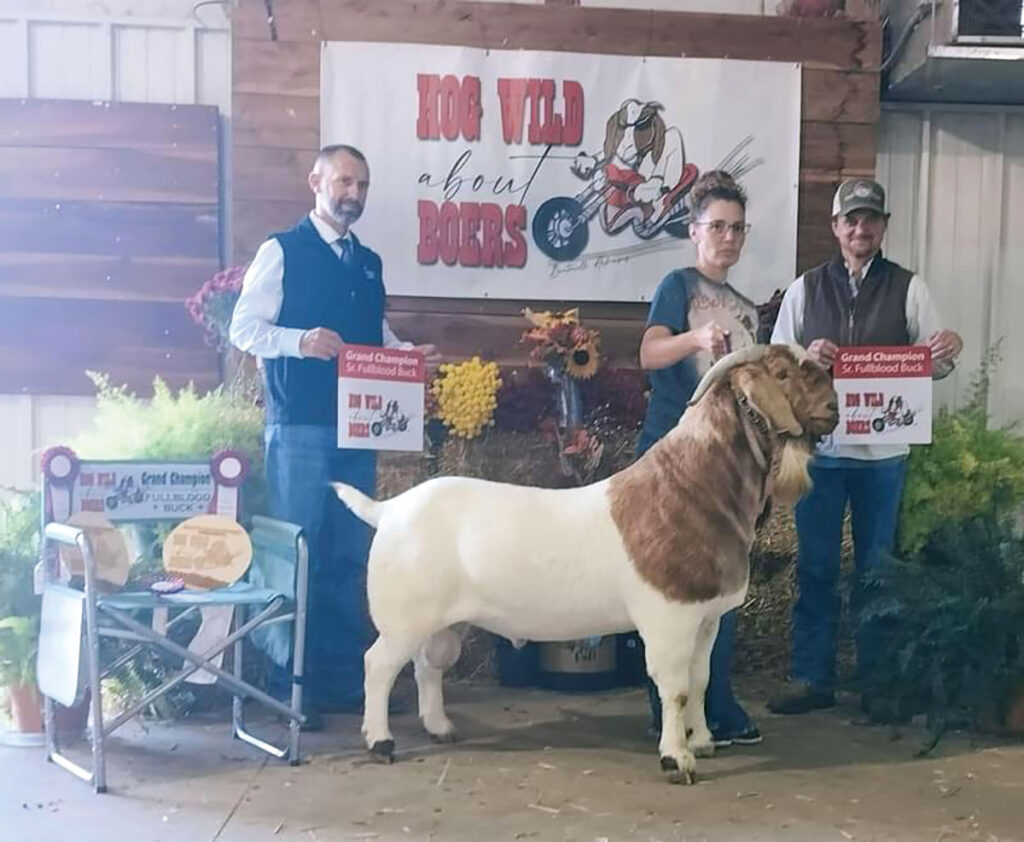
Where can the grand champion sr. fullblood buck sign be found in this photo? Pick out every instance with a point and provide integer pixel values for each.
(554, 175)
(380, 398)
(885, 395)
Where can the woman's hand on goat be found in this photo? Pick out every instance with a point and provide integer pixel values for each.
(823, 352)
(661, 348)
(713, 338)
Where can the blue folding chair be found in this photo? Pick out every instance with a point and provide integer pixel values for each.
(269, 605)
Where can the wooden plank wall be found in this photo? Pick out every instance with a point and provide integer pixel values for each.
(276, 118)
(109, 219)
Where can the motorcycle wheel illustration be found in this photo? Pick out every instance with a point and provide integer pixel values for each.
(376, 428)
(403, 424)
(878, 425)
(111, 502)
(560, 228)
(908, 418)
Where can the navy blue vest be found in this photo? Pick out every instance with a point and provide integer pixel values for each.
(321, 291)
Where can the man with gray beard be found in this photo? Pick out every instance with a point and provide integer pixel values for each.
(309, 291)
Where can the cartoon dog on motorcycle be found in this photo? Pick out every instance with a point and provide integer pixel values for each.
(639, 180)
(643, 163)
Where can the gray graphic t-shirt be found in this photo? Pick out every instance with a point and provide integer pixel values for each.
(686, 300)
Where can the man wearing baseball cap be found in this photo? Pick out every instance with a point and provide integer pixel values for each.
(856, 298)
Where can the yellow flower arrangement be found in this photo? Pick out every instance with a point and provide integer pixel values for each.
(465, 396)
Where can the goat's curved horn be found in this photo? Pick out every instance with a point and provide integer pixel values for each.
(798, 351)
(724, 366)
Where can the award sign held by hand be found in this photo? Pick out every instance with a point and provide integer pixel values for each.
(885, 395)
(380, 398)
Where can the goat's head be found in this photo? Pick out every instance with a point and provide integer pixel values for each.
(794, 396)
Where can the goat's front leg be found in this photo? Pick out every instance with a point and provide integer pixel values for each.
(669, 654)
(700, 739)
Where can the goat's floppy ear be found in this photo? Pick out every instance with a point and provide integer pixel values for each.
(767, 398)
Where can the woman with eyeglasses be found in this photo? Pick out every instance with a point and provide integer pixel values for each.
(695, 318)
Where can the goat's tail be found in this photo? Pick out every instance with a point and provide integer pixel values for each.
(362, 506)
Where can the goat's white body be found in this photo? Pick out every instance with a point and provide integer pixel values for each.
(528, 564)
(525, 563)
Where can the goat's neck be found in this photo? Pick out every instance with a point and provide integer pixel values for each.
(687, 510)
(754, 437)
(718, 442)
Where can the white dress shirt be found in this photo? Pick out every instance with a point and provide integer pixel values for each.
(922, 322)
(253, 324)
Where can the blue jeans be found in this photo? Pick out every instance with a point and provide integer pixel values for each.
(873, 490)
(724, 714)
(301, 461)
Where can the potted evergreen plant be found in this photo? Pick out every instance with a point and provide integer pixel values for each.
(19, 637)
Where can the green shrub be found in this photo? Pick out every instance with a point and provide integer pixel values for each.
(19, 640)
(176, 425)
(19, 606)
(19, 552)
(969, 471)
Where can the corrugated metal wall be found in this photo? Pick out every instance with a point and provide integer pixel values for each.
(955, 177)
(177, 59)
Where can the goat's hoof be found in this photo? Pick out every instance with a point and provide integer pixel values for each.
(674, 774)
(705, 750)
(440, 729)
(383, 751)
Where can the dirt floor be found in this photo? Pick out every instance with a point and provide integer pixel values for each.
(530, 765)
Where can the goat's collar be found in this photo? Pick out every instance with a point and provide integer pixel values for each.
(756, 418)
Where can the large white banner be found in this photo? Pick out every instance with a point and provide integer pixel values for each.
(523, 174)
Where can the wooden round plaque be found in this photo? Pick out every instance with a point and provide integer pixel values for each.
(208, 551)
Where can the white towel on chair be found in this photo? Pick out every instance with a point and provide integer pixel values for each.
(216, 626)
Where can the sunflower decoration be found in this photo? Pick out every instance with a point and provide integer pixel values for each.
(464, 395)
(561, 341)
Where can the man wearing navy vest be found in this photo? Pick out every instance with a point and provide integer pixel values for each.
(308, 291)
(857, 298)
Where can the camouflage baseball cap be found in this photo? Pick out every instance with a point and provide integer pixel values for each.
(859, 194)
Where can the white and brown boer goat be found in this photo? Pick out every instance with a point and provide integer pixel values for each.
(661, 547)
